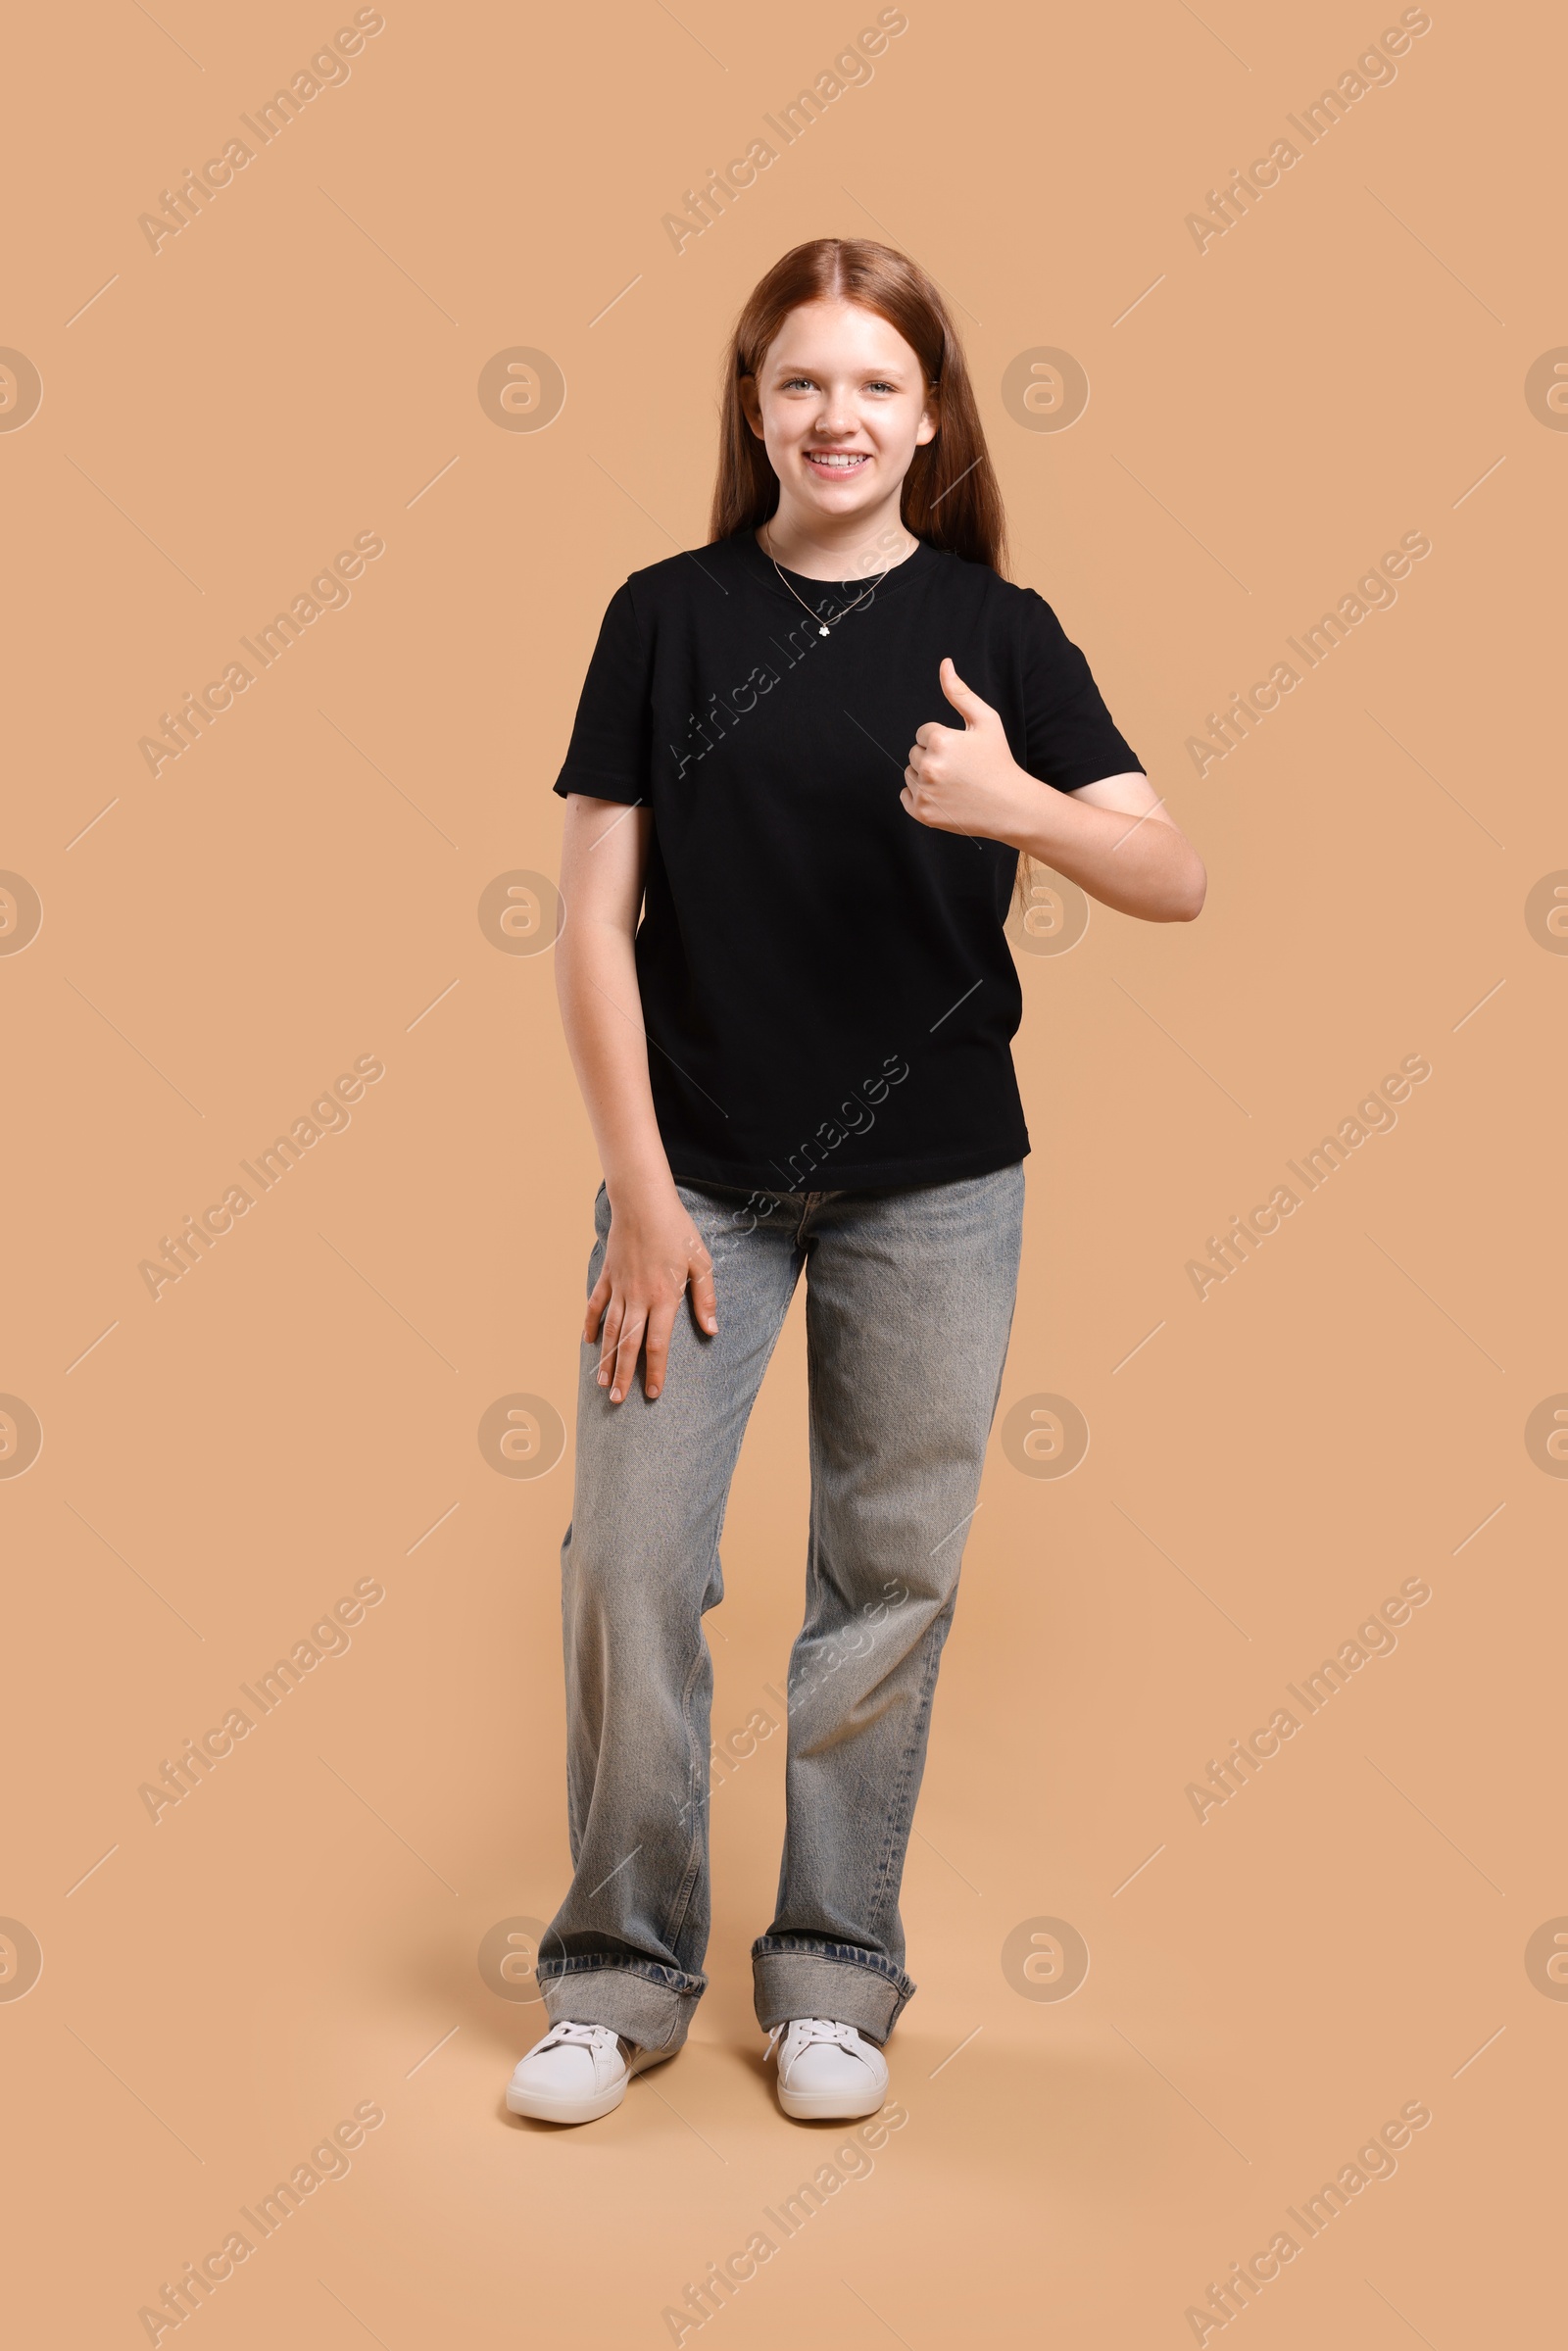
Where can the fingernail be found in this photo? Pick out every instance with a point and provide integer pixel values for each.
(615, 1395)
(651, 1393)
(712, 1323)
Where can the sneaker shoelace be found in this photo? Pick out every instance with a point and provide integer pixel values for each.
(811, 2029)
(595, 2037)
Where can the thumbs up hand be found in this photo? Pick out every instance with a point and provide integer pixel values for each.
(963, 779)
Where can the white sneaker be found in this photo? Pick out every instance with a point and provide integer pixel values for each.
(575, 2074)
(826, 2071)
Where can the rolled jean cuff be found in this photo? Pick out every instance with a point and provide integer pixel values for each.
(653, 2006)
(808, 1977)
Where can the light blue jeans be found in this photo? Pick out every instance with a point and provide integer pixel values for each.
(910, 1299)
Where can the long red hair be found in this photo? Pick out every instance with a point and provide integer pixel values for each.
(950, 497)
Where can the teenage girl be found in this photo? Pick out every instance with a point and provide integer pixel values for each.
(806, 761)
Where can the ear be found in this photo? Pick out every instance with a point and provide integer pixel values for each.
(930, 419)
(752, 404)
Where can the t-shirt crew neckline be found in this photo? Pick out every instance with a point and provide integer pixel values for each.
(827, 988)
(761, 563)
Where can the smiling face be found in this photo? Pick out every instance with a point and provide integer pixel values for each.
(841, 402)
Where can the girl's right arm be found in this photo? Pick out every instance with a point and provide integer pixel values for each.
(654, 1249)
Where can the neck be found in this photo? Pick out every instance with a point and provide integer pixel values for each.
(857, 546)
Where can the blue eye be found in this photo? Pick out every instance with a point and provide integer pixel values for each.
(810, 383)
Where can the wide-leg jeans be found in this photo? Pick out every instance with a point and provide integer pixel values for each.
(909, 1300)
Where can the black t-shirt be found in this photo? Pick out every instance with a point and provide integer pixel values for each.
(828, 989)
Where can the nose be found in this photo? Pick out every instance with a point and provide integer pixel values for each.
(835, 422)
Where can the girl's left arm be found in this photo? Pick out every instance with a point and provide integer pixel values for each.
(1113, 838)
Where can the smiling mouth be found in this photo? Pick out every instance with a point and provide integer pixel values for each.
(837, 462)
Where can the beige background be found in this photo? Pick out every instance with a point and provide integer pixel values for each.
(300, 1411)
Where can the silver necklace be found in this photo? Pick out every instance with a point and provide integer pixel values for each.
(823, 627)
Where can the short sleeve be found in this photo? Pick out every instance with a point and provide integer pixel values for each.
(1070, 738)
(609, 757)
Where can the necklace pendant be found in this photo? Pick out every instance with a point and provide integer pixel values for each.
(821, 629)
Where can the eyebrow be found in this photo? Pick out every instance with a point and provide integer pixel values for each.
(803, 367)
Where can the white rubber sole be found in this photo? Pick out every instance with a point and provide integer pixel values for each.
(831, 2105)
(540, 2107)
